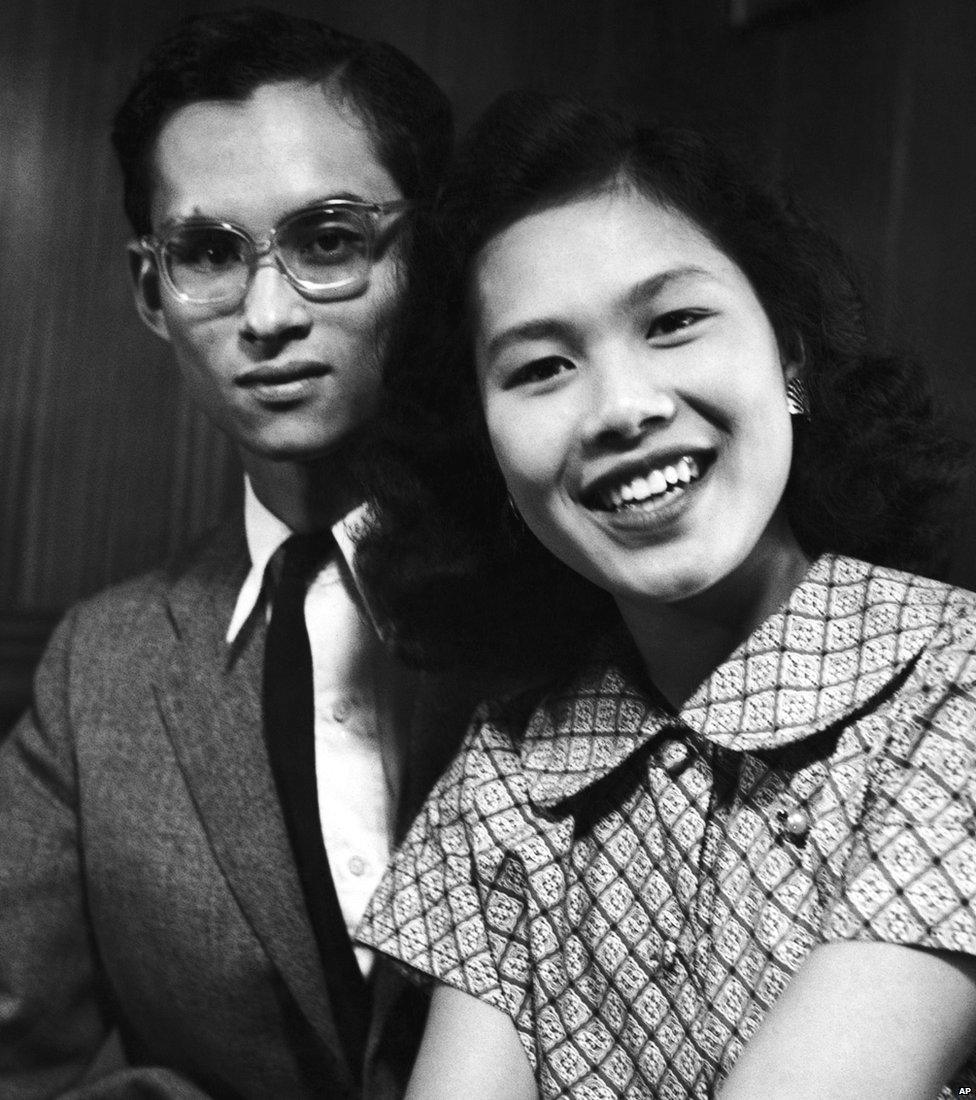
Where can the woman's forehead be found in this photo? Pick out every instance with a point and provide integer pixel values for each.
(609, 240)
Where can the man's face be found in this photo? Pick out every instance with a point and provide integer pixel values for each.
(285, 375)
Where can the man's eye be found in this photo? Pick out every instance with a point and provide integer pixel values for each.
(210, 251)
(539, 370)
(675, 322)
(328, 245)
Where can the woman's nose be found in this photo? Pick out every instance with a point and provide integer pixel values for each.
(272, 308)
(628, 398)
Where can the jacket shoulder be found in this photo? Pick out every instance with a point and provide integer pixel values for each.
(113, 619)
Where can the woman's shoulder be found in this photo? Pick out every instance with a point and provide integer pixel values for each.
(930, 624)
(942, 611)
(844, 568)
(916, 652)
(545, 737)
(904, 850)
(490, 757)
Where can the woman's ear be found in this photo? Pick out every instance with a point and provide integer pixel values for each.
(793, 361)
(144, 275)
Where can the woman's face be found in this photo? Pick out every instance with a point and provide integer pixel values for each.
(634, 396)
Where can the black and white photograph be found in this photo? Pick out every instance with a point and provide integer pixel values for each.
(487, 550)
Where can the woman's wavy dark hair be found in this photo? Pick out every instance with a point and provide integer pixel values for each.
(453, 571)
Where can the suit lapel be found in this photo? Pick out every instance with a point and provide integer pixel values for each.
(209, 695)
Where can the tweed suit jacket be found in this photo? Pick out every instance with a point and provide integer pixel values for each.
(146, 879)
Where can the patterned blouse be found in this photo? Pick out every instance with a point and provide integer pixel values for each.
(635, 887)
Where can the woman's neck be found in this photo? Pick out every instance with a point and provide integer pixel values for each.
(682, 643)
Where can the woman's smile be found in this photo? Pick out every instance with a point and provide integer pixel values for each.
(652, 516)
(649, 487)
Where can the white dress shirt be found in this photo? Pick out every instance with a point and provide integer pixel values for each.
(356, 763)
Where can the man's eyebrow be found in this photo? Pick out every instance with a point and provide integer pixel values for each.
(195, 217)
(198, 217)
(324, 200)
(545, 328)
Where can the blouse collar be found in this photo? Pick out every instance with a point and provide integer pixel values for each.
(846, 632)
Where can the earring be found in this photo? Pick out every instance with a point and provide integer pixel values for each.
(512, 523)
(797, 399)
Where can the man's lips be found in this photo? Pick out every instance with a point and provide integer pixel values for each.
(282, 374)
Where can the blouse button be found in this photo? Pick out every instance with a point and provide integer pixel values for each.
(674, 756)
(796, 824)
(357, 866)
(341, 710)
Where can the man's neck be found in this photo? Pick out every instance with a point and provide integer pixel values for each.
(307, 496)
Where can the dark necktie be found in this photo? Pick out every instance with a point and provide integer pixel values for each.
(289, 725)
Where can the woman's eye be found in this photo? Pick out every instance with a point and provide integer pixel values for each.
(675, 322)
(539, 370)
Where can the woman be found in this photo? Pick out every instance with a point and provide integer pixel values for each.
(722, 839)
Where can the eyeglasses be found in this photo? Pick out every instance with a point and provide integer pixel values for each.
(325, 251)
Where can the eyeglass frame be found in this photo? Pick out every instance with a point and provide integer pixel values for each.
(152, 245)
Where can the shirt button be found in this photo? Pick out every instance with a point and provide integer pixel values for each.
(341, 710)
(357, 866)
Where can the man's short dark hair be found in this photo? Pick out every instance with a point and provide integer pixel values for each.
(228, 55)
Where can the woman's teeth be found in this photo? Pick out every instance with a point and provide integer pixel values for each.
(652, 486)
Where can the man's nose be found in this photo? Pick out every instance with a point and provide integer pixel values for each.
(628, 397)
(273, 309)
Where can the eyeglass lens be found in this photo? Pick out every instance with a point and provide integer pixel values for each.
(324, 250)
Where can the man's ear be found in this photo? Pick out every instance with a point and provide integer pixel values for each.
(144, 275)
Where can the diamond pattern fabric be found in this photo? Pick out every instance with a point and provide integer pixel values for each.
(635, 887)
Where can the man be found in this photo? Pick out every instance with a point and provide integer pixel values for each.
(183, 848)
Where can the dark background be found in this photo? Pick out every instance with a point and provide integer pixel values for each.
(869, 105)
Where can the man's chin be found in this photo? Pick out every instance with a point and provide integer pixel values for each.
(299, 448)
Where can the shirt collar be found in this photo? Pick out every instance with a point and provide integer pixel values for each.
(845, 633)
(264, 533)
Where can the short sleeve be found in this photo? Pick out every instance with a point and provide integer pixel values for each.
(426, 913)
(910, 872)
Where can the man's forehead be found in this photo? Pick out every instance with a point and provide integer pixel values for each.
(254, 160)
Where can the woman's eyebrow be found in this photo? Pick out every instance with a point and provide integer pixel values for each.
(546, 328)
(541, 329)
(652, 286)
